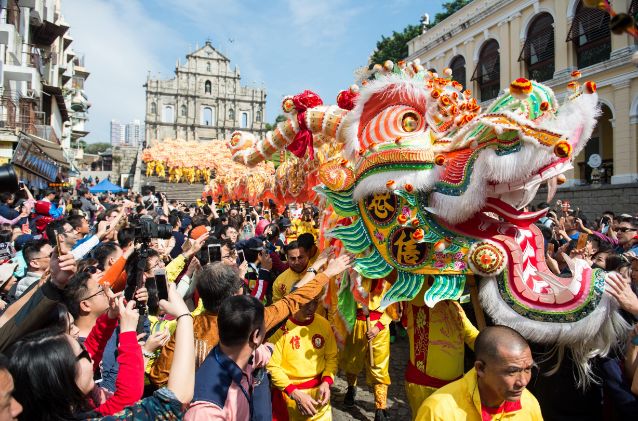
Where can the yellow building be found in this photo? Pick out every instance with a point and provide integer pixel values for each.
(489, 43)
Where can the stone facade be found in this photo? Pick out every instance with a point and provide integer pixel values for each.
(125, 162)
(204, 101)
(546, 40)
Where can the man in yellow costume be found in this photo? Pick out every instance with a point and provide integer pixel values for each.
(301, 255)
(178, 174)
(355, 353)
(437, 337)
(159, 169)
(303, 366)
(150, 167)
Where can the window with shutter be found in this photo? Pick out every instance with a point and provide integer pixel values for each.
(488, 71)
(591, 36)
(538, 51)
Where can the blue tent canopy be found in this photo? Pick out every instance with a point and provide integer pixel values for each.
(106, 186)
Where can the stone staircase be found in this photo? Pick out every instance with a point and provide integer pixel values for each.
(184, 192)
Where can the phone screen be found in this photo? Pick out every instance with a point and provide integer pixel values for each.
(242, 257)
(160, 282)
(214, 253)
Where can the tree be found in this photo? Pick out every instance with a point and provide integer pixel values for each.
(278, 120)
(395, 47)
(450, 8)
(95, 148)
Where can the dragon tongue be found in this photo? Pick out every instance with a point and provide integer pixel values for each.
(552, 186)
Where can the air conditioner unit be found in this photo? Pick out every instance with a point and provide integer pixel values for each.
(31, 93)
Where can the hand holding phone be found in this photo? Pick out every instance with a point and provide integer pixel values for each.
(241, 256)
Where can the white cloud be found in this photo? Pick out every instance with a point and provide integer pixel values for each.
(118, 40)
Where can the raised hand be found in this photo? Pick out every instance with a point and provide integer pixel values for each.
(338, 265)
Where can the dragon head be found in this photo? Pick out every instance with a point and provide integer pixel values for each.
(434, 186)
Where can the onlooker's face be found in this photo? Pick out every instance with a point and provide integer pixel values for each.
(96, 296)
(43, 258)
(232, 234)
(84, 228)
(83, 367)
(307, 311)
(298, 259)
(70, 236)
(229, 256)
(9, 407)
(599, 259)
(505, 376)
(625, 233)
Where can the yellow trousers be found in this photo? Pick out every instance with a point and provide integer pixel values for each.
(355, 355)
(416, 395)
(323, 414)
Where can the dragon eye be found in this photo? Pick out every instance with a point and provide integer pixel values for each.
(410, 122)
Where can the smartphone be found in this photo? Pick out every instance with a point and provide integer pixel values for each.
(21, 185)
(214, 253)
(250, 208)
(160, 282)
(582, 241)
(57, 242)
(241, 256)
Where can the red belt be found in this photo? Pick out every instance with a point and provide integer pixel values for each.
(374, 315)
(416, 376)
(309, 384)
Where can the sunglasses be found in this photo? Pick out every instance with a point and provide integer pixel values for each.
(625, 229)
(99, 291)
(90, 269)
(83, 354)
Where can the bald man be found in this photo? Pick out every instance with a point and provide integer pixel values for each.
(494, 389)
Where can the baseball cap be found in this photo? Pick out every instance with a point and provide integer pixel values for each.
(6, 272)
(255, 243)
(284, 222)
(198, 232)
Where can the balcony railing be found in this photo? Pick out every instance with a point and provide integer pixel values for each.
(32, 54)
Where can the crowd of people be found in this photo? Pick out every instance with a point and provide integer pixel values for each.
(137, 307)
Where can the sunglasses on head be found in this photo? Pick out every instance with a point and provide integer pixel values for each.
(625, 229)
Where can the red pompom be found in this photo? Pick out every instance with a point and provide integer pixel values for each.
(347, 99)
(306, 99)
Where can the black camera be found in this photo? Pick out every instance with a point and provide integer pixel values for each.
(8, 179)
(146, 229)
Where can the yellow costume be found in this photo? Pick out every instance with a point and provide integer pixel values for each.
(437, 337)
(302, 227)
(355, 352)
(150, 167)
(191, 175)
(305, 355)
(159, 168)
(461, 401)
(178, 174)
(284, 282)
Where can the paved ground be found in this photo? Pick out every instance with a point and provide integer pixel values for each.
(398, 408)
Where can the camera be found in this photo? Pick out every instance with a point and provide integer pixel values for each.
(8, 179)
(146, 229)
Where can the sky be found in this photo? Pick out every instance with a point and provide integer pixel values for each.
(285, 45)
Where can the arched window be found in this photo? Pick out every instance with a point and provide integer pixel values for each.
(208, 118)
(258, 116)
(244, 120)
(231, 114)
(458, 69)
(208, 87)
(487, 72)
(538, 51)
(591, 36)
(153, 108)
(168, 114)
(184, 111)
(208, 67)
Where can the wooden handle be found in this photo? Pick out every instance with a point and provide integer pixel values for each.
(478, 311)
(370, 352)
